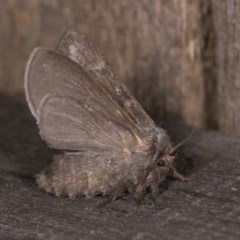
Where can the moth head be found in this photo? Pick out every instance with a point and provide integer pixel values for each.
(165, 161)
(167, 155)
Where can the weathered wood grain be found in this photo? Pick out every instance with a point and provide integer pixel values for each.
(207, 210)
(227, 26)
(158, 48)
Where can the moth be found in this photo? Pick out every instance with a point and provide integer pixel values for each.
(110, 144)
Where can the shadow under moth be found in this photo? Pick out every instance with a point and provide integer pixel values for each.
(110, 143)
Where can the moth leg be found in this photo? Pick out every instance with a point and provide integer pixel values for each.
(113, 196)
(180, 177)
(155, 183)
(141, 187)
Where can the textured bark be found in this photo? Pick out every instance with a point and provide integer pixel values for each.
(156, 47)
(227, 27)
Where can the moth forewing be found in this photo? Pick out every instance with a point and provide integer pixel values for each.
(89, 57)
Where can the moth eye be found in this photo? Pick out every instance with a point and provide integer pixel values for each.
(161, 163)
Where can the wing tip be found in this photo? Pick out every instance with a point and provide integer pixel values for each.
(26, 80)
(69, 34)
(72, 33)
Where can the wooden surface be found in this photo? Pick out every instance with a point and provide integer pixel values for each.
(164, 50)
(180, 58)
(227, 25)
(208, 210)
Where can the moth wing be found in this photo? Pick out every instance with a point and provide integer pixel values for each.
(70, 125)
(54, 74)
(38, 80)
(83, 52)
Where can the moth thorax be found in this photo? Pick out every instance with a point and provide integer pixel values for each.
(161, 141)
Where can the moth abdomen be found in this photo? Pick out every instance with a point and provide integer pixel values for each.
(75, 176)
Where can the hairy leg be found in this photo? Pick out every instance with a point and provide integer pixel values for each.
(140, 190)
(114, 195)
(155, 181)
(180, 177)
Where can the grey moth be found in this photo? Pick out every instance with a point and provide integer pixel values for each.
(110, 144)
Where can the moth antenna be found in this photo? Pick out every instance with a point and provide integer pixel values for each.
(173, 150)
